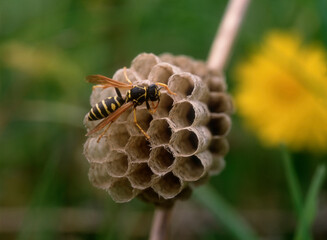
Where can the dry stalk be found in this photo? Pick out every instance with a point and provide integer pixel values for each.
(223, 42)
(161, 224)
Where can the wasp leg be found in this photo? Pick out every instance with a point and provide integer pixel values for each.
(135, 121)
(127, 79)
(148, 106)
(166, 87)
(118, 93)
(104, 131)
(151, 111)
(154, 107)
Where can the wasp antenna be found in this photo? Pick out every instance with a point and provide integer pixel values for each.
(166, 87)
(125, 74)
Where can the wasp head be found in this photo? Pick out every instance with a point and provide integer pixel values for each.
(153, 92)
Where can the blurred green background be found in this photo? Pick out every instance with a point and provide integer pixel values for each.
(47, 48)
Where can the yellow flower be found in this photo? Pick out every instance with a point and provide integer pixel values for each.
(282, 93)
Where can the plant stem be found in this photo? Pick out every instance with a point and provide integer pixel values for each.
(223, 42)
(308, 213)
(161, 224)
(292, 181)
(224, 213)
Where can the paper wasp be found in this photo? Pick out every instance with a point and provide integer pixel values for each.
(111, 108)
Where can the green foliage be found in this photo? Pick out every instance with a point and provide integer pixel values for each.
(309, 209)
(224, 213)
(47, 47)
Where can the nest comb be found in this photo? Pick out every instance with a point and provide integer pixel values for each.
(187, 133)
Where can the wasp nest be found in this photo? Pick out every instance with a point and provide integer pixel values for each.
(187, 133)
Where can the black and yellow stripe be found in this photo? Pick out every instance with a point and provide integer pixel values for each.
(105, 107)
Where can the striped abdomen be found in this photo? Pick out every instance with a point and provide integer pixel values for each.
(105, 107)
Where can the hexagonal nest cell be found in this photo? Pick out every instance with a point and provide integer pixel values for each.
(187, 132)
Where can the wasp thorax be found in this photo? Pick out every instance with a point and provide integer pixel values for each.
(187, 134)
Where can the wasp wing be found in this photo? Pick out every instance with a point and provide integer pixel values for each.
(111, 118)
(107, 82)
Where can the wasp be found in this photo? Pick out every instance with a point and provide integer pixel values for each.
(111, 108)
